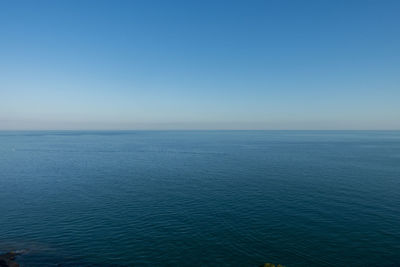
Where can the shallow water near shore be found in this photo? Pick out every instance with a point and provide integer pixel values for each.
(219, 198)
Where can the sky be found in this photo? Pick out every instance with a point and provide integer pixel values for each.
(273, 64)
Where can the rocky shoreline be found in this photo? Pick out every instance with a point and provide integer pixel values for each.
(8, 259)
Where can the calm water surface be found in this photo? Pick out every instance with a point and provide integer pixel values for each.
(201, 198)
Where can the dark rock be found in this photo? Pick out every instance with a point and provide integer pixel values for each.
(271, 265)
(7, 259)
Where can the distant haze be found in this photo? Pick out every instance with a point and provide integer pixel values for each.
(199, 65)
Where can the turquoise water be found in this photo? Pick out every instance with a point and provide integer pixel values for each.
(201, 198)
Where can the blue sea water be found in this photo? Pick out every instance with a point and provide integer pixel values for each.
(201, 198)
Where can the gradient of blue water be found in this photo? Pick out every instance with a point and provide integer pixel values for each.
(219, 198)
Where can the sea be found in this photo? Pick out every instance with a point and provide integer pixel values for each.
(201, 198)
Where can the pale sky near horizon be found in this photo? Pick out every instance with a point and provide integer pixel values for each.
(274, 64)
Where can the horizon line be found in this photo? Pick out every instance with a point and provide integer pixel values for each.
(183, 130)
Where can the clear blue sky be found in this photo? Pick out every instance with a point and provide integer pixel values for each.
(200, 64)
